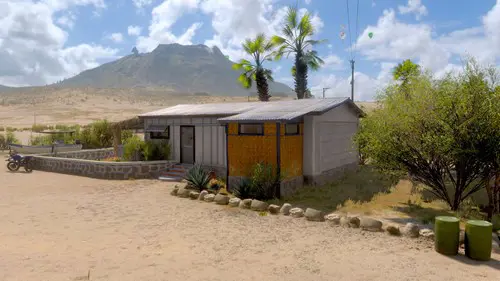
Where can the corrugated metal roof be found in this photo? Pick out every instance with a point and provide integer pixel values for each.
(205, 109)
(254, 111)
(287, 110)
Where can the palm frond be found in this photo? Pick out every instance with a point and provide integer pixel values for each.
(245, 81)
(268, 74)
(291, 17)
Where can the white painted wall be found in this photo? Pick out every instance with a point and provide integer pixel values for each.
(210, 138)
(328, 140)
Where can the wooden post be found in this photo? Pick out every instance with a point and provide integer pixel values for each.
(117, 138)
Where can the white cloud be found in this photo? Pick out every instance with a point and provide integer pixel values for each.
(116, 37)
(142, 3)
(414, 7)
(33, 48)
(163, 17)
(308, 2)
(235, 20)
(67, 20)
(332, 61)
(134, 30)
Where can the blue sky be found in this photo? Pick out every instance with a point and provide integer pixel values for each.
(44, 41)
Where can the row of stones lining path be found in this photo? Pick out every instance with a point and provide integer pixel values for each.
(351, 221)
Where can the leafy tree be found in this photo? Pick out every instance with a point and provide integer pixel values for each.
(405, 70)
(441, 136)
(261, 50)
(297, 40)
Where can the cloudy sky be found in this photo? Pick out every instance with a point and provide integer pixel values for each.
(42, 41)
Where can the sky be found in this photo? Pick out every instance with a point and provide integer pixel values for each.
(43, 41)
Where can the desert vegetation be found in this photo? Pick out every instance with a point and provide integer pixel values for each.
(441, 133)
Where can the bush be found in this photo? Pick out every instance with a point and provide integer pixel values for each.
(215, 185)
(2, 129)
(198, 178)
(261, 185)
(98, 134)
(40, 140)
(6, 139)
(156, 151)
(133, 149)
(10, 129)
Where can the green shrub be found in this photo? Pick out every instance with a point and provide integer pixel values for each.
(41, 140)
(126, 134)
(98, 134)
(10, 129)
(133, 149)
(264, 181)
(6, 139)
(243, 190)
(2, 129)
(156, 151)
(197, 177)
(39, 127)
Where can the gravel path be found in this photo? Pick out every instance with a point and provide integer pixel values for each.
(58, 227)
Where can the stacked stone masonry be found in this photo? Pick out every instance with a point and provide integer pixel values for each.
(69, 163)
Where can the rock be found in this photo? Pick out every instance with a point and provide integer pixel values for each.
(285, 209)
(260, 206)
(495, 247)
(370, 224)
(183, 193)
(234, 202)
(393, 230)
(354, 222)
(296, 212)
(174, 191)
(344, 221)
(203, 193)
(221, 199)
(209, 198)
(411, 230)
(194, 195)
(333, 219)
(245, 203)
(273, 209)
(427, 233)
(314, 215)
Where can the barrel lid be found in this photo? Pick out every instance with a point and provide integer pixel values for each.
(479, 223)
(447, 219)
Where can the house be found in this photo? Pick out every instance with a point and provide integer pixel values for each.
(308, 141)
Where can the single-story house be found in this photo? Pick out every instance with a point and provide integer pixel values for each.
(308, 140)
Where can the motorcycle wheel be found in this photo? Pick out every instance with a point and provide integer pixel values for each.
(13, 166)
(27, 167)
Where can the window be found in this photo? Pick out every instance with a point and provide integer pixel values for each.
(159, 135)
(251, 129)
(292, 129)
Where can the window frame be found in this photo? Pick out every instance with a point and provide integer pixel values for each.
(167, 137)
(293, 134)
(240, 133)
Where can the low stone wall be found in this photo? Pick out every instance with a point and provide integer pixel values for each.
(89, 154)
(100, 169)
(330, 175)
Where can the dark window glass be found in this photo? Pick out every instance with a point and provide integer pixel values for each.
(291, 129)
(251, 129)
(165, 135)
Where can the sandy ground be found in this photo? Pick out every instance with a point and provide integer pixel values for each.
(59, 227)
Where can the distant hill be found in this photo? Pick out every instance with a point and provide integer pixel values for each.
(192, 69)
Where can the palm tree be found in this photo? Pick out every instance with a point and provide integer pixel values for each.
(261, 49)
(297, 40)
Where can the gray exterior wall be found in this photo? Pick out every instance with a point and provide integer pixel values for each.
(210, 138)
(328, 144)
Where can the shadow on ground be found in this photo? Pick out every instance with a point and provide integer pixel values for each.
(359, 186)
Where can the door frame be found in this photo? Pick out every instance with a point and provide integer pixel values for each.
(194, 142)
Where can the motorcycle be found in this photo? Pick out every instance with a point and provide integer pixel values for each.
(15, 161)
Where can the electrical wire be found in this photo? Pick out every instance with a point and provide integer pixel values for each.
(349, 28)
(357, 28)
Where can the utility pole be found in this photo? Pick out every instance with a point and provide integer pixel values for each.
(352, 79)
(324, 89)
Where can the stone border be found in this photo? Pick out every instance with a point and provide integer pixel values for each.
(100, 169)
(334, 219)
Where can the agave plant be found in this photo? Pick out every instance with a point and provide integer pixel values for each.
(243, 190)
(197, 177)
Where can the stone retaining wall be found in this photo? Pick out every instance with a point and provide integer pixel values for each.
(89, 154)
(100, 169)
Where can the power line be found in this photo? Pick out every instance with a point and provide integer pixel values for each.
(349, 27)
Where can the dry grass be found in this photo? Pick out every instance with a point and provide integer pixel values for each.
(369, 192)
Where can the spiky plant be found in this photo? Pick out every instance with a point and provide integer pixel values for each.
(197, 177)
(261, 50)
(297, 40)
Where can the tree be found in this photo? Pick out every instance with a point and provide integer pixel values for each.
(403, 71)
(440, 137)
(297, 40)
(261, 50)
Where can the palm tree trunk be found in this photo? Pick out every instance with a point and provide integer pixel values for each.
(300, 76)
(262, 86)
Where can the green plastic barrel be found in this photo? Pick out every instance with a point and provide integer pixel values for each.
(447, 235)
(478, 239)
